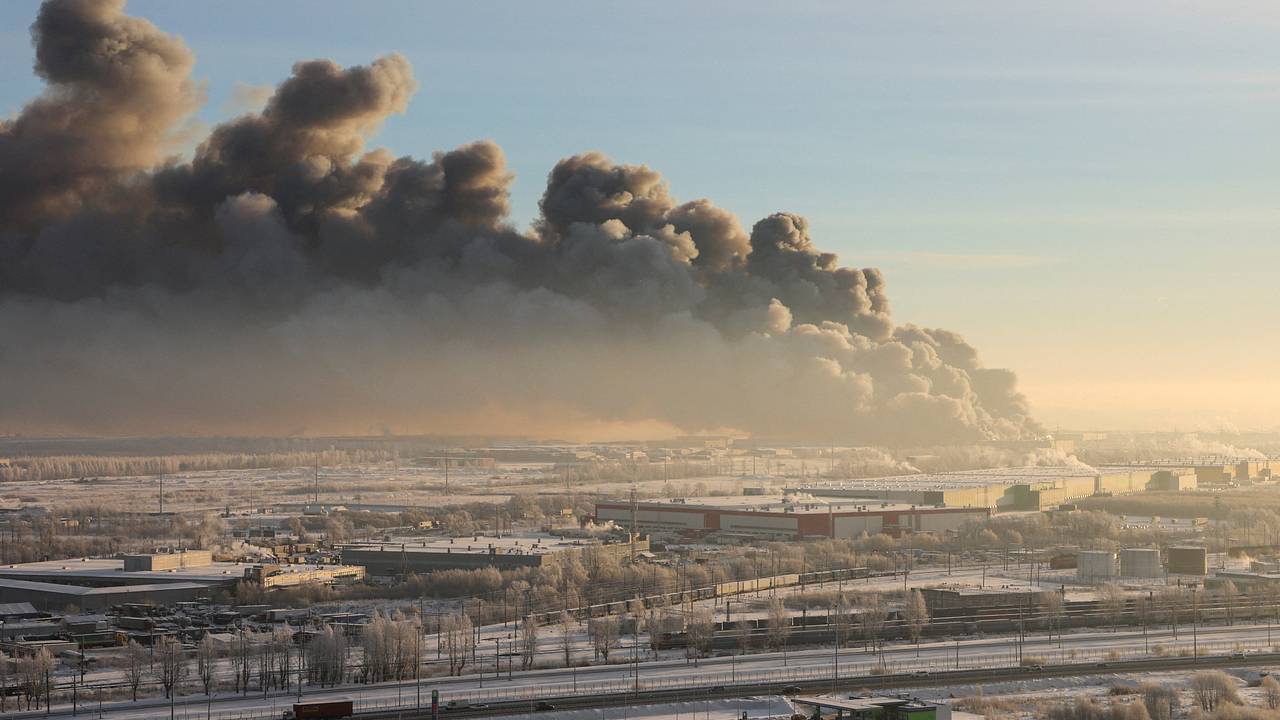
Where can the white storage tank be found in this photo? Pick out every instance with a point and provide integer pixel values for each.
(1095, 565)
(1140, 562)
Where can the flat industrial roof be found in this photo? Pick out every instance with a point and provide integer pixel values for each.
(113, 568)
(517, 545)
(80, 591)
(798, 503)
(956, 480)
(969, 590)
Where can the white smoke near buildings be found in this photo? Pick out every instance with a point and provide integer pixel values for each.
(973, 457)
(287, 279)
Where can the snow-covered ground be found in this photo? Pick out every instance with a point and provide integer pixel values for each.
(772, 707)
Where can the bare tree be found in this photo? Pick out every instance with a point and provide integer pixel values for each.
(376, 641)
(135, 666)
(282, 640)
(457, 633)
(172, 664)
(206, 663)
(264, 660)
(699, 629)
(1229, 594)
(327, 658)
(402, 636)
(604, 633)
(1161, 701)
(1212, 688)
(916, 614)
(779, 624)
(35, 671)
(655, 624)
(843, 620)
(873, 617)
(1270, 594)
(1143, 610)
(1052, 606)
(1111, 599)
(528, 642)
(743, 629)
(1271, 688)
(1172, 598)
(4, 681)
(566, 637)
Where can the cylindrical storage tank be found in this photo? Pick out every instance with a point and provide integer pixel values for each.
(1140, 562)
(1095, 564)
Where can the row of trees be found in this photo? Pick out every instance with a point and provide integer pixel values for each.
(168, 664)
(33, 675)
(1171, 604)
(854, 614)
(57, 467)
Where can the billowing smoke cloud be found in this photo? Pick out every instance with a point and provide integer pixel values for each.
(289, 279)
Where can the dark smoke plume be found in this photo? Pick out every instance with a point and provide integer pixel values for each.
(288, 279)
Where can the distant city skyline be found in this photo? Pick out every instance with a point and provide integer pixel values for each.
(1085, 192)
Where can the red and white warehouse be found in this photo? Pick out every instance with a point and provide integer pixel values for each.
(786, 517)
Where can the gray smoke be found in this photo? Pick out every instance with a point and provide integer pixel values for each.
(289, 279)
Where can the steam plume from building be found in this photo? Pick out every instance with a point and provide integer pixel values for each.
(287, 278)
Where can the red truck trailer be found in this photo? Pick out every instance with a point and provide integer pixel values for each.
(321, 710)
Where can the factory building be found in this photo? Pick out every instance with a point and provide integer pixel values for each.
(1140, 563)
(56, 598)
(1188, 561)
(785, 517)
(1095, 565)
(168, 560)
(1216, 474)
(970, 598)
(1173, 480)
(1019, 488)
(1248, 582)
(401, 556)
(167, 568)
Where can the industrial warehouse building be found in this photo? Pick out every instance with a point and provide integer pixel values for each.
(949, 598)
(1188, 561)
(421, 555)
(785, 517)
(163, 578)
(56, 598)
(1019, 488)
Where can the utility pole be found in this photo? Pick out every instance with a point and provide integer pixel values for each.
(1195, 629)
(633, 523)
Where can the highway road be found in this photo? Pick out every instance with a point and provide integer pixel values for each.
(811, 667)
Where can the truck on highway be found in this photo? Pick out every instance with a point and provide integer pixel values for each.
(321, 710)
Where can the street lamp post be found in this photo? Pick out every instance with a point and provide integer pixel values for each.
(1195, 630)
(497, 659)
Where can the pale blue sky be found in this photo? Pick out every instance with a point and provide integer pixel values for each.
(1085, 190)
